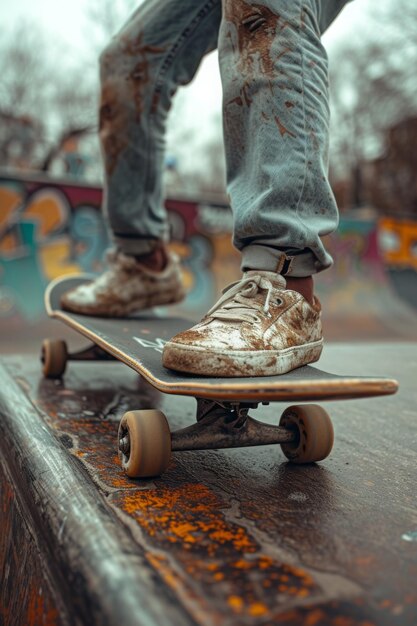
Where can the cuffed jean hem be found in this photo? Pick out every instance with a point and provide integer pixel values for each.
(258, 257)
(135, 246)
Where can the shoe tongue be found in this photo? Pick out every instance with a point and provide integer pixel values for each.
(277, 280)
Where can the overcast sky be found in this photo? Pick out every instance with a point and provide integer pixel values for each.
(66, 24)
(66, 18)
(66, 21)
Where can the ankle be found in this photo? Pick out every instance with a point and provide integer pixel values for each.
(156, 260)
(304, 286)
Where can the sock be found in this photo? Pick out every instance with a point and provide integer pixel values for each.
(304, 285)
(156, 260)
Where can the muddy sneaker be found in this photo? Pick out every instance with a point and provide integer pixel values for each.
(257, 328)
(126, 286)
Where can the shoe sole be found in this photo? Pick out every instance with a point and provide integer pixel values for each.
(123, 310)
(200, 361)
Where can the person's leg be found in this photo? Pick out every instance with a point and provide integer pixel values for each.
(159, 49)
(276, 118)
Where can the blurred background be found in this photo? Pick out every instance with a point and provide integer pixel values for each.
(51, 172)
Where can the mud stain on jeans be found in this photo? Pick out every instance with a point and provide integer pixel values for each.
(140, 76)
(257, 27)
(117, 94)
(257, 31)
(112, 125)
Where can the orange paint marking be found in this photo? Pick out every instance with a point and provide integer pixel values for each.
(187, 514)
(314, 617)
(236, 603)
(257, 609)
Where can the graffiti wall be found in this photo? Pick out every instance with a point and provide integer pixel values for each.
(358, 273)
(49, 228)
(398, 242)
(45, 230)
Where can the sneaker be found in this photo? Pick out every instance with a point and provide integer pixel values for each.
(126, 286)
(257, 328)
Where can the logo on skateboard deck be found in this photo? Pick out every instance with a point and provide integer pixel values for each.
(157, 345)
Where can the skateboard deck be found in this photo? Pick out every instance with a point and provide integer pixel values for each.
(305, 432)
(138, 341)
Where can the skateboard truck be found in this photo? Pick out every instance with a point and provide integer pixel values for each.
(228, 425)
(55, 356)
(305, 434)
(222, 425)
(145, 442)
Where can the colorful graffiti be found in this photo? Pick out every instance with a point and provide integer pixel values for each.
(398, 242)
(358, 272)
(50, 228)
(46, 230)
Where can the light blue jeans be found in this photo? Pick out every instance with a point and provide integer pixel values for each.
(275, 115)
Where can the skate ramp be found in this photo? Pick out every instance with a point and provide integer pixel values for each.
(404, 283)
(361, 297)
(226, 537)
(49, 228)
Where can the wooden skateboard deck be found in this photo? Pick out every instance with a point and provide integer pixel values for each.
(305, 432)
(138, 341)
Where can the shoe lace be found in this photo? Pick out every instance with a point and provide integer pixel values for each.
(237, 302)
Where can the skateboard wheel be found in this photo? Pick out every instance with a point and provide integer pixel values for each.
(315, 433)
(54, 358)
(144, 443)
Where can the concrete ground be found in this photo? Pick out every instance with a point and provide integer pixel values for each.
(223, 537)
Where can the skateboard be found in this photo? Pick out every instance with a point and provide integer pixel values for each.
(145, 442)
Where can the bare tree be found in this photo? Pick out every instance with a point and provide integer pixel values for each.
(44, 104)
(23, 94)
(373, 88)
(25, 71)
(40, 105)
(105, 18)
(390, 182)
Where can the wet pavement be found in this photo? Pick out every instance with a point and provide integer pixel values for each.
(226, 537)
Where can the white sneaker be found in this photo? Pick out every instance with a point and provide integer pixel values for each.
(257, 328)
(127, 286)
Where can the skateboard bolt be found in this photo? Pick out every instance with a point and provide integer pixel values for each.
(124, 445)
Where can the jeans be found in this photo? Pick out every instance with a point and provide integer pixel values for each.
(275, 115)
